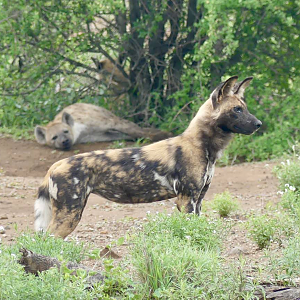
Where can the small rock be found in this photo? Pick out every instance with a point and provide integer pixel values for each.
(2, 230)
(108, 253)
(236, 251)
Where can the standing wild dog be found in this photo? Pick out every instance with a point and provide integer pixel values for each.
(181, 166)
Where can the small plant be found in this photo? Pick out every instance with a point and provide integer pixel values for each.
(266, 229)
(291, 201)
(198, 231)
(262, 230)
(117, 144)
(288, 171)
(141, 142)
(177, 257)
(287, 266)
(224, 204)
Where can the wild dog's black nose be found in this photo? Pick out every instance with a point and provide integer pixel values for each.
(258, 124)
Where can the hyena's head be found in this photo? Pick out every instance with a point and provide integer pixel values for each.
(230, 109)
(57, 135)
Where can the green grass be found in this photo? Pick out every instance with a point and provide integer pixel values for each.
(287, 267)
(224, 204)
(50, 246)
(275, 226)
(174, 257)
(17, 133)
(53, 284)
(288, 171)
(178, 257)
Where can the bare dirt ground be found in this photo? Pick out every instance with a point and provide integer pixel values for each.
(24, 163)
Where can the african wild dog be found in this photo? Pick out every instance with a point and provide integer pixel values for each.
(181, 166)
(83, 123)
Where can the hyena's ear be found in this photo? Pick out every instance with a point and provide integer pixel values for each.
(67, 118)
(224, 89)
(241, 86)
(99, 64)
(40, 134)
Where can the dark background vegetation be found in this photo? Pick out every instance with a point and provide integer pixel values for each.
(167, 58)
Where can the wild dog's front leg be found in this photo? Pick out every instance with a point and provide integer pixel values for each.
(185, 203)
(199, 202)
(191, 202)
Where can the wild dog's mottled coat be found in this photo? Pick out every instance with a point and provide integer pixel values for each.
(182, 166)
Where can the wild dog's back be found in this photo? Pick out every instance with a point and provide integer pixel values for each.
(181, 166)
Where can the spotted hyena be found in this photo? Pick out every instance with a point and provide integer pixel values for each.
(182, 166)
(83, 123)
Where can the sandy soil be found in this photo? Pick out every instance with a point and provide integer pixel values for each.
(24, 163)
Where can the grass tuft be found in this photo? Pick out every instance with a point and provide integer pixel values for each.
(224, 204)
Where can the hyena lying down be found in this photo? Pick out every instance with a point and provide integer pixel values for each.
(83, 123)
(180, 167)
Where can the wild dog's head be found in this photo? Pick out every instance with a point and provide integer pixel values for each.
(57, 135)
(230, 109)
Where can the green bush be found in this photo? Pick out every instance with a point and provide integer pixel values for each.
(291, 201)
(287, 266)
(177, 257)
(265, 229)
(262, 230)
(224, 204)
(288, 174)
(58, 283)
(16, 284)
(48, 245)
(197, 230)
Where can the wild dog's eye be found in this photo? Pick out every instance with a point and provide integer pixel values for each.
(66, 131)
(237, 109)
(54, 138)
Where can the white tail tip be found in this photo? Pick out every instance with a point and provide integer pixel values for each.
(42, 214)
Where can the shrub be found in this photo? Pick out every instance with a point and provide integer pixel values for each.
(291, 201)
(287, 266)
(177, 257)
(224, 204)
(288, 171)
(262, 230)
(266, 229)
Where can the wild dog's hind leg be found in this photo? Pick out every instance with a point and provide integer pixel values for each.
(65, 219)
(68, 199)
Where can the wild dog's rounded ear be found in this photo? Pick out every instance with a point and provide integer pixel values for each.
(224, 89)
(67, 118)
(241, 86)
(40, 134)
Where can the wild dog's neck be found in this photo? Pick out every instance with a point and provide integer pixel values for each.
(204, 132)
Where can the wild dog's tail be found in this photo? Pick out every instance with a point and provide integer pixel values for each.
(42, 207)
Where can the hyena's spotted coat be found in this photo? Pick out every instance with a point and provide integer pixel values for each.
(180, 167)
